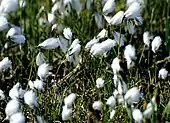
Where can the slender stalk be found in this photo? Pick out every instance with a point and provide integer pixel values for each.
(142, 54)
(119, 42)
(155, 69)
(149, 58)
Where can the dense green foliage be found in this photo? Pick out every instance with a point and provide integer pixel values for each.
(82, 78)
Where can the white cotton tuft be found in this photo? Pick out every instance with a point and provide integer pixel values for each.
(68, 33)
(50, 43)
(112, 113)
(133, 11)
(97, 105)
(12, 107)
(91, 43)
(43, 71)
(122, 87)
(30, 99)
(156, 43)
(66, 113)
(75, 50)
(12, 31)
(20, 39)
(69, 100)
(116, 19)
(3, 23)
(109, 7)
(163, 73)
(103, 33)
(14, 92)
(115, 65)
(17, 118)
(115, 93)
(74, 43)
(56, 6)
(8, 6)
(38, 84)
(148, 112)
(137, 115)
(73, 53)
(5, 64)
(103, 47)
(147, 38)
(108, 44)
(111, 101)
(100, 83)
(31, 84)
(40, 59)
(120, 99)
(66, 2)
(22, 3)
(132, 95)
(129, 54)
(51, 18)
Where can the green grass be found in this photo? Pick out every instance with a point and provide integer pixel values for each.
(82, 79)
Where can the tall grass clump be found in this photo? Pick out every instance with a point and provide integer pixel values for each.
(84, 61)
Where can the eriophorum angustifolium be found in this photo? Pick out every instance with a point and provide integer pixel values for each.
(84, 61)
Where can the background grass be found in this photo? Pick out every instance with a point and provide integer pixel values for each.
(81, 80)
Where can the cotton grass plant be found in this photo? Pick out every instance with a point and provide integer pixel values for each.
(82, 61)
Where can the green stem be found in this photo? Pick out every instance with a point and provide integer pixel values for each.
(142, 54)
(155, 68)
(148, 59)
(119, 42)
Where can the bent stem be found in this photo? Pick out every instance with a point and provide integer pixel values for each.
(155, 68)
(142, 54)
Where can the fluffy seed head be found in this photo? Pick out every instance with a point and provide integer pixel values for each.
(67, 33)
(43, 71)
(5, 64)
(132, 95)
(109, 7)
(17, 118)
(156, 43)
(111, 101)
(30, 99)
(66, 113)
(69, 100)
(12, 107)
(137, 115)
(163, 73)
(97, 105)
(99, 83)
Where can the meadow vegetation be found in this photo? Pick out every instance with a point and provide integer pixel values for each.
(84, 61)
